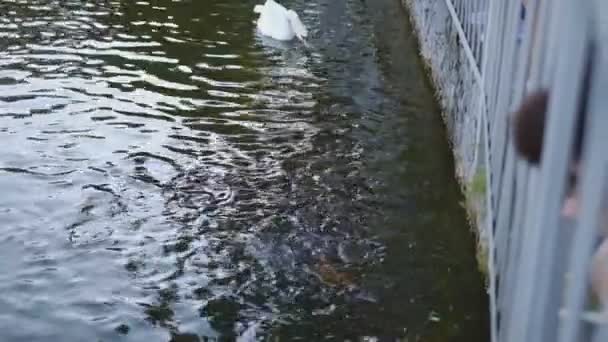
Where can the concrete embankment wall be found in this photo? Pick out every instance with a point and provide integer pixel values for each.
(459, 95)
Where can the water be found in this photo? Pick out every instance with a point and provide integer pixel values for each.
(168, 175)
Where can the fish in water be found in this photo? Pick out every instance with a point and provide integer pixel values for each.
(279, 23)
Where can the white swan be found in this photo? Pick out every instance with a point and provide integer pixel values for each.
(279, 23)
(249, 335)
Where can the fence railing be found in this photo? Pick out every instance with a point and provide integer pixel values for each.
(545, 220)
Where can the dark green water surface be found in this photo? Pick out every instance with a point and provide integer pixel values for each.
(168, 175)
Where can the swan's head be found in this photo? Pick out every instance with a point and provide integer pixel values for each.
(261, 8)
(296, 25)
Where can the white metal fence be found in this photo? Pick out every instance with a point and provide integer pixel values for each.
(540, 260)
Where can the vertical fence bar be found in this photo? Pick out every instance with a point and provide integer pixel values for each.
(488, 66)
(554, 28)
(594, 174)
(525, 52)
(504, 96)
(496, 40)
(538, 44)
(502, 232)
(481, 15)
(458, 4)
(601, 335)
(563, 110)
(490, 234)
(493, 62)
(522, 277)
(467, 17)
(516, 244)
(504, 214)
(462, 9)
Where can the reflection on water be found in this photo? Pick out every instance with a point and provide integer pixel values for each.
(167, 175)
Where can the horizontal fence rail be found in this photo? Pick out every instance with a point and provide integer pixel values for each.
(547, 221)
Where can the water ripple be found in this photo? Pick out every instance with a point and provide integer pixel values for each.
(168, 175)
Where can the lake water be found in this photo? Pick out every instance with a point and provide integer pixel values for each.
(168, 175)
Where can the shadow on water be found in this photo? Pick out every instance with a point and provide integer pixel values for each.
(168, 175)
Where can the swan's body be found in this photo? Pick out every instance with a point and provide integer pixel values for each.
(279, 23)
(249, 335)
